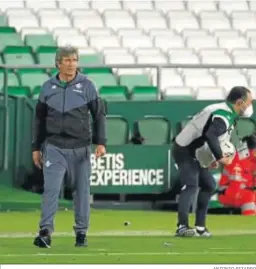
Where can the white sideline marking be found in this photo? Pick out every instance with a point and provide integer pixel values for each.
(124, 233)
(221, 248)
(132, 254)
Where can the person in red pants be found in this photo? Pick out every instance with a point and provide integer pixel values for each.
(237, 183)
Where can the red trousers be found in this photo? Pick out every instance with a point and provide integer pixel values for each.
(241, 198)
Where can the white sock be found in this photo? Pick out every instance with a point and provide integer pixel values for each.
(200, 228)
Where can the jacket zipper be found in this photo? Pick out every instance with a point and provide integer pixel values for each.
(63, 107)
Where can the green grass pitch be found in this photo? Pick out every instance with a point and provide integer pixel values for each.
(148, 239)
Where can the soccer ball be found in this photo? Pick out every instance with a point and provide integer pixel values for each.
(228, 149)
(206, 158)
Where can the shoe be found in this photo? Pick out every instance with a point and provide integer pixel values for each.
(43, 240)
(81, 240)
(203, 233)
(185, 231)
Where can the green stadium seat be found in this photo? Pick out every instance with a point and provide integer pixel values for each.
(19, 91)
(245, 127)
(183, 123)
(32, 77)
(117, 130)
(12, 79)
(17, 55)
(3, 20)
(10, 39)
(53, 71)
(36, 90)
(131, 81)
(103, 79)
(96, 70)
(7, 30)
(46, 55)
(113, 93)
(91, 59)
(35, 97)
(35, 41)
(144, 93)
(156, 130)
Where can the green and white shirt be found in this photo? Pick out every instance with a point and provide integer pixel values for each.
(196, 134)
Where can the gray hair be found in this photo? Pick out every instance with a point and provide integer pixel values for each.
(64, 52)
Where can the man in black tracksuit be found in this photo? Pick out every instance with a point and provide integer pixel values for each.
(62, 136)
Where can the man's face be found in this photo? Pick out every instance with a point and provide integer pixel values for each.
(68, 65)
(244, 104)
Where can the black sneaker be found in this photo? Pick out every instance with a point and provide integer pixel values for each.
(203, 233)
(81, 240)
(43, 240)
(185, 231)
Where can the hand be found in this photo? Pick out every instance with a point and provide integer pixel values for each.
(226, 160)
(100, 151)
(37, 159)
(214, 165)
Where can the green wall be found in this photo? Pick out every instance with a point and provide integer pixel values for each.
(20, 133)
(20, 122)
